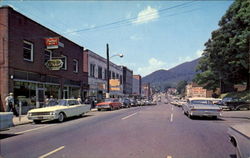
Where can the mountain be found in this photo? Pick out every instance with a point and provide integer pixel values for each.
(161, 78)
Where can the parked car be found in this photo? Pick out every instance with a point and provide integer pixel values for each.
(65, 108)
(110, 104)
(133, 102)
(201, 107)
(6, 120)
(239, 136)
(235, 103)
(126, 103)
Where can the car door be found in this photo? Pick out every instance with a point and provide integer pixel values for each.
(73, 108)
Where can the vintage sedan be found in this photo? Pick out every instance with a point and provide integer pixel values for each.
(201, 107)
(65, 108)
(110, 104)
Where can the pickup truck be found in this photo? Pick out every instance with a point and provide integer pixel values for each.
(240, 138)
(6, 120)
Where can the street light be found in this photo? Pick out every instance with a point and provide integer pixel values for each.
(120, 55)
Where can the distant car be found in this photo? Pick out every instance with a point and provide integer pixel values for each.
(133, 102)
(126, 103)
(201, 107)
(239, 135)
(109, 104)
(63, 109)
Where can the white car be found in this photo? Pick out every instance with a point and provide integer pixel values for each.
(240, 138)
(201, 107)
(65, 108)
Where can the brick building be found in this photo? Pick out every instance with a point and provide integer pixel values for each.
(23, 55)
(195, 90)
(127, 81)
(136, 85)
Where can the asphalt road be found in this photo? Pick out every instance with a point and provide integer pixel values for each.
(160, 131)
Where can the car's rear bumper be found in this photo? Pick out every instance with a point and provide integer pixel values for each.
(205, 113)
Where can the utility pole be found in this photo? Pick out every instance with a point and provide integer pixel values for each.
(107, 94)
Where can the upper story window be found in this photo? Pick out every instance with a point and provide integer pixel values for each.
(117, 76)
(121, 79)
(47, 55)
(92, 70)
(113, 75)
(28, 52)
(75, 65)
(105, 74)
(65, 61)
(99, 72)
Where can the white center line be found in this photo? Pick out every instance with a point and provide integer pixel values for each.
(172, 107)
(171, 117)
(33, 129)
(129, 116)
(52, 152)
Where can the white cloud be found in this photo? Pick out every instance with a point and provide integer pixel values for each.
(135, 37)
(184, 59)
(147, 15)
(199, 53)
(154, 65)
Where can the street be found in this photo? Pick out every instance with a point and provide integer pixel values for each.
(160, 131)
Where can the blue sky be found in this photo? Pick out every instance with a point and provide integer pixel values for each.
(152, 35)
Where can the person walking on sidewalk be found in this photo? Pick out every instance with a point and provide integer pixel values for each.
(10, 105)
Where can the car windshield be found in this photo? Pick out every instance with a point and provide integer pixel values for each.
(201, 102)
(62, 102)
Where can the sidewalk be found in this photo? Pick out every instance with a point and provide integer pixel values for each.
(24, 120)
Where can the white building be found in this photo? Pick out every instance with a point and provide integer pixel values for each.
(97, 76)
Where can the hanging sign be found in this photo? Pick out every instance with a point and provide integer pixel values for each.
(54, 64)
(52, 42)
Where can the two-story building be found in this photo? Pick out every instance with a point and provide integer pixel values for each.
(97, 76)
(136, 90)
(24, 56)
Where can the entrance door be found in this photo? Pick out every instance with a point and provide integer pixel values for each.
(65, 94)
(40, 96)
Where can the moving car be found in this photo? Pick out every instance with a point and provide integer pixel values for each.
(240, 138)
(201, 107)
(109, 103)
(64, 108)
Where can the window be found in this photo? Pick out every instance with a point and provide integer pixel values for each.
(64, 60)
(27, 51)
(99, 72)
(75, 65)
(113, 75)
(92, 70)
(47, 55)
(117, 76)
(121, 79)
(105, 74)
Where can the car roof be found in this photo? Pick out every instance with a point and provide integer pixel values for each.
(202, 98)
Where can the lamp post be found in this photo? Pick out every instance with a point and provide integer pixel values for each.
(108, 75)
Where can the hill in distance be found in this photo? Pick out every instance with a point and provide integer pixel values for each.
(161, 78)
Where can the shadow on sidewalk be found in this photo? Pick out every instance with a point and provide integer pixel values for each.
(4, 135)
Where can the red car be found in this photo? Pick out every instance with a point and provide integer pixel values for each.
(110, 104)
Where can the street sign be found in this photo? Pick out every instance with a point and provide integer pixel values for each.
(54, 64)
(52, 42)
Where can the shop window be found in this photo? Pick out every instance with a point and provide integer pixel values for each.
(105, 74)
(99, 72)
(47, 55)
(28, 51)
(64, 60)
(75, 65)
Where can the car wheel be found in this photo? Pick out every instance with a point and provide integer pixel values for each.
(111, 108)
(61, 117)
(37, 121)
(99, 109)
(214, 117)
(190, 116)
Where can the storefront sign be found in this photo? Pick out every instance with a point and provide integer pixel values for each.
(52, 43)
(54, 64)
(114, 82)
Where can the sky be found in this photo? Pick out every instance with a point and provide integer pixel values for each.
(151, 35)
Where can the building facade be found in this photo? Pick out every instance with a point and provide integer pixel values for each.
(195, 90)
(127, 81)
(136, 90)
(146, 91)
(23, 59)
(97, 76)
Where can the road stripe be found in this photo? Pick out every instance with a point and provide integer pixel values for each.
(129, 116)
(172, 107)
(34, 129)
(169, 156)
(52, 152)
(171, 117)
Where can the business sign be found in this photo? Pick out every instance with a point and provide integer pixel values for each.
(54, 64)
(52, 42)
(114, 82)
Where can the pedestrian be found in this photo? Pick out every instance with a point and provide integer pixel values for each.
(10, 105)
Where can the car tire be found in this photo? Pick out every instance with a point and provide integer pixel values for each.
(61, 117)
(190, 116)
(99, 109)
(214, 117)
(37, 121)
